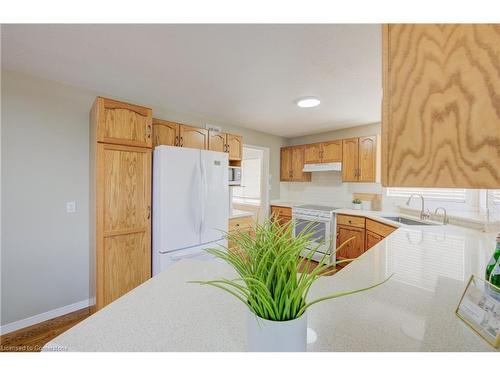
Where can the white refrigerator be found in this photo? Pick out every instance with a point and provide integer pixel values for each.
(190, 203)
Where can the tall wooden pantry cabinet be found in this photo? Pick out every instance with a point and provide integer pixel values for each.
(120, 175)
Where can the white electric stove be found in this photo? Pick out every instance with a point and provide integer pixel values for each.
(321, 221)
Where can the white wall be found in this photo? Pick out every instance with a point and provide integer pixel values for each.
(45, 163)
(327, 187)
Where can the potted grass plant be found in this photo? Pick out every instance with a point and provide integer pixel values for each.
(270, 285)
(356, 204)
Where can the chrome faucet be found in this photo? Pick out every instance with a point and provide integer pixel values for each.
(445, 217)
(423, 213)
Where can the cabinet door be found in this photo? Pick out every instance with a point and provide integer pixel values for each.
(367, 159)
(123, 227)
(331, 151)
(192, 137)
(298, 165)
(285, 164)
(355, 247)
(312, 153)
(216, 141)
(165, 133)
(350, 160)
(235, 147)
(441, 114)
(123, 123)
(372, 239)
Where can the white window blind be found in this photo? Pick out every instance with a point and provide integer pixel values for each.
(494, 196)
(449, 195)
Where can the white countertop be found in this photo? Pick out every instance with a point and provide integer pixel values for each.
(283, 203)
(235, 214)
(414, 311)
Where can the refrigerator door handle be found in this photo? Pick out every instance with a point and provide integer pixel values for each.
(203, 194)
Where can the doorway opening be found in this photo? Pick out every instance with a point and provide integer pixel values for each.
(252, 195)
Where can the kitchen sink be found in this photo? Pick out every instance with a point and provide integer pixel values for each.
(404, 220)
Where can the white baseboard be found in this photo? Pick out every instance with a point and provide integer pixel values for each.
(14, 326)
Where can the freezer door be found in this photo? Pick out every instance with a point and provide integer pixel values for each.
(215, 209)
(177, 198)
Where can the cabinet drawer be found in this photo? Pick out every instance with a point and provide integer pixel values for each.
(353, 221)
(381, 229)
(281, 211)
(239, 223)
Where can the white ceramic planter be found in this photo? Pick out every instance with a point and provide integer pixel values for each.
(270, 336)
(357, 206)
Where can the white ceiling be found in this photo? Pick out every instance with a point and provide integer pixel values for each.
(245, 75)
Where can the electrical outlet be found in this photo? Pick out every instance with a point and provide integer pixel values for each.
(71, 207)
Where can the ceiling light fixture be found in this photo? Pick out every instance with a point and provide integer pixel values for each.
(309, 102)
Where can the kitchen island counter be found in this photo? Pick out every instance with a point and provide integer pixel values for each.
(414, 311)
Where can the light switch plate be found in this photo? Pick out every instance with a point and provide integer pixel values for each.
(71, 207)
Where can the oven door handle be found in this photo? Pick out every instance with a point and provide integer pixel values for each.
(309, 218)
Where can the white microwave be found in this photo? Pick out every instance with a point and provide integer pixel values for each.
(234, 175)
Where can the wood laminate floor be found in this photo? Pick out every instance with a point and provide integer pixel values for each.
(33, 338)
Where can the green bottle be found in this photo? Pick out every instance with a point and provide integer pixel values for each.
(495, 275)
(493, 260)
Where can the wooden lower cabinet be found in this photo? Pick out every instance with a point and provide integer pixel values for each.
(241, 225)
(355, 247)
(372, 239)
(282, 214)
(366, 232)
(123, 220)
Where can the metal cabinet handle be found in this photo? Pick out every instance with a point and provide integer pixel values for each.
(149, 212)
(149, 131)
(181, 143)
(176, 142)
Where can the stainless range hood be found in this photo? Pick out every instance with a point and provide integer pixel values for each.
(323, 167)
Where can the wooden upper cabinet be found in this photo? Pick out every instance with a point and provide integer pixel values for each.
(325, 152)
(123, 208)
(331, 151)
(217, 141)
(441, 106)
(165, 133)
(123, 123)
(235, 147)
(192, 137)
(285, 164)
(298, 165)
(312, 153)
(292, 164)
(367, 153)
(350, 160)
